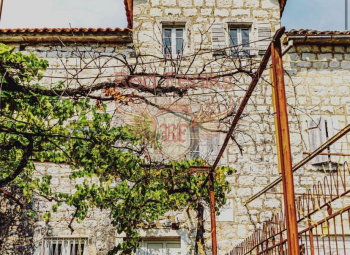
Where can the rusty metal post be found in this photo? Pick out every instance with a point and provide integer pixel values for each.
(212, 212)
(1, 7)
(284, 148)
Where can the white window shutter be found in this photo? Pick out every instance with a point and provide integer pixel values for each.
(264, 34)
(215, 148)
(210, 148)
(204, 149)
(333, 129)
(317, 137)
(226, 212)
(218, 37)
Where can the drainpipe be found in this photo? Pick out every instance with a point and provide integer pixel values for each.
(346, 14)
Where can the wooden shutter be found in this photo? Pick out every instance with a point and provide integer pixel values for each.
(333, 129)
(317, 137)
(210, 148)
(218, 38)
(264, 32)
(204, 149)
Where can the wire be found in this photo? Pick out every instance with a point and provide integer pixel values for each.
(130, 76)
(205, 51)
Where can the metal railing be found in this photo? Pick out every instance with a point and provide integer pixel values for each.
(323, 215)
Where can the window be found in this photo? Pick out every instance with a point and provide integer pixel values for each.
(160, 248)
(239, 41)
(207, 149)
(173, 40)
(320, 130)
(65, 246)
(195, 153)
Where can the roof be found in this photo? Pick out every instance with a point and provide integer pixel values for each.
(63, 30)
(309, 32)
(52, 35)
(314, 37)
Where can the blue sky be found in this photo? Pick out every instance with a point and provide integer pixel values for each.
(315, 14)
(312, 14)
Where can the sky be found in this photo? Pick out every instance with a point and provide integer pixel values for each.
(310, 14)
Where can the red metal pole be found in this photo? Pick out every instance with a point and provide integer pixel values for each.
(284, 149)
(1, 7)
(212, 212)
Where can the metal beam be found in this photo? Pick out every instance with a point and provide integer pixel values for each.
(1, 7)
(284, 148)
(212, 213)
(303, 162)
(346, 14)
(329, 154)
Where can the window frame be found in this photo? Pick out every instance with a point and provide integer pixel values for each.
(144, 246)
(241, 48)
(173, 39)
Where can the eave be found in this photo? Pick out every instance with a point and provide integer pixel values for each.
(65, 35)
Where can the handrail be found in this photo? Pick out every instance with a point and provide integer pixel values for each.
(303, 162)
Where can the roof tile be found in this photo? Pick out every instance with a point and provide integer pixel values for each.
(306, 32)
(62, 30)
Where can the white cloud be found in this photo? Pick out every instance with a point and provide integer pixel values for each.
(61, 13)
(312, 14)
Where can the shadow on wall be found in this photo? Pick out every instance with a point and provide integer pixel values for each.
(16, 231)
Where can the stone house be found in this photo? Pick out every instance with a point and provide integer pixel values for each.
(317, 76)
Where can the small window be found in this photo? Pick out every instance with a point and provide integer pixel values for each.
(65, 246)
(173, 40)
(239, 41)
(195, 152)
(321, 130)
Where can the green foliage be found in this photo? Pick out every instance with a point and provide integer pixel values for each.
(35, 126)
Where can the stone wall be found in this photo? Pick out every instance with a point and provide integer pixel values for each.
(17, 228)
(198, 17)
(96, 227)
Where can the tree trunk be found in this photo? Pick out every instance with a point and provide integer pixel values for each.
(199, 247)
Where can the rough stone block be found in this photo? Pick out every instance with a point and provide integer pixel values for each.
(224, 3)
(221, 12)
(190, 12)
(185, 3)
(169, 3)
(238, 3)
(156, 12)
(198, 3)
